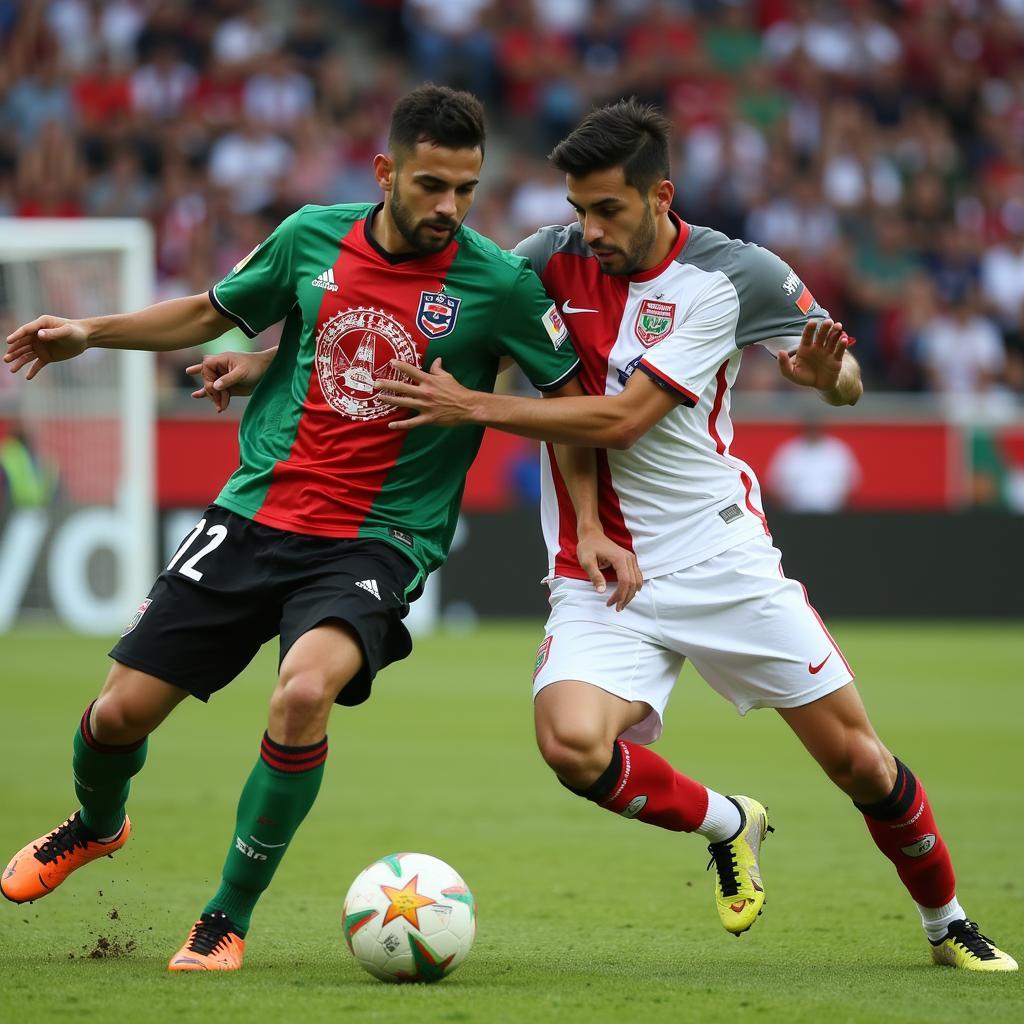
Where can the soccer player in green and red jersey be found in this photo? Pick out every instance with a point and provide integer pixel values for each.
(332, 521)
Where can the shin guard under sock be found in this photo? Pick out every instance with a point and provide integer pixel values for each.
(903, 828)
(638, 783)
(277, 796)
(103, 774)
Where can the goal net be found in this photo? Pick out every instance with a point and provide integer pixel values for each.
(77, 508)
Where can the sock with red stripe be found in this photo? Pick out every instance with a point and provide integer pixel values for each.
(277, 796)
(103, 776)
(903, 828)
(638, 783)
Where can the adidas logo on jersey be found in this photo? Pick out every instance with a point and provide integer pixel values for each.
(325, 280)
(370, 586)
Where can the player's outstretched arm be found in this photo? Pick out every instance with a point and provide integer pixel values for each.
(598, 421)
(822, 362)
(176, 323)
(225, 375)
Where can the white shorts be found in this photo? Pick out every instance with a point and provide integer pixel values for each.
(750, 632)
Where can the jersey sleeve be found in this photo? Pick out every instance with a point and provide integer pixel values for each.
(688, 359)
(531, 330)
(538, 249)
(534, 251)
(774, 303)
(260, 289)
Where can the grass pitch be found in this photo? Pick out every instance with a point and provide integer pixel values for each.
(583, 917)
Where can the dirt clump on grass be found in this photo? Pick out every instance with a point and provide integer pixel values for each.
(109, 949)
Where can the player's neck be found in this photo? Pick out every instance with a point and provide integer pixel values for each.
(386, 234)
(666, 233)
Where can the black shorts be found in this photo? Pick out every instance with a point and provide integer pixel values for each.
(235, 584)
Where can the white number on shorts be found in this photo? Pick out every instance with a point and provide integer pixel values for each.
(217, 533)
(196, 530)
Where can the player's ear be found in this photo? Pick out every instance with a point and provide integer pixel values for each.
(384, 170)
(663, 192)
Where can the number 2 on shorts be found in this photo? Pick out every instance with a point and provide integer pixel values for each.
(216, 533)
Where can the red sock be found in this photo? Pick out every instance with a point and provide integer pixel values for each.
(640, 784)
(903, 828)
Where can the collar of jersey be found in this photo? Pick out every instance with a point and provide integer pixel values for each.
(395, 258)
(683, 230)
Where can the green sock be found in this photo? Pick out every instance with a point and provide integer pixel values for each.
(103, 777)
(277, 796)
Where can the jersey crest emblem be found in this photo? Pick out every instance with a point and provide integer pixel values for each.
(654, 321)
(353, 349)
(437, 314)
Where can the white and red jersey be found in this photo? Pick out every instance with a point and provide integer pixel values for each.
(678, 496)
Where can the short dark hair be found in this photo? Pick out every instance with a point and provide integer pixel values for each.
(437, 114)
(627, 134)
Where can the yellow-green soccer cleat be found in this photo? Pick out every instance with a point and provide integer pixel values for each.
(739, 891)
(965, 947)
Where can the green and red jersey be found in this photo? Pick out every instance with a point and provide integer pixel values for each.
(316, 454)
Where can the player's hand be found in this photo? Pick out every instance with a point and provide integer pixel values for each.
(47, 339)
(596, 552)
(819, 356)
(227, 374)
(436, 398)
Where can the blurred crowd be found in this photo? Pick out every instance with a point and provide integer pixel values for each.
(877, 145)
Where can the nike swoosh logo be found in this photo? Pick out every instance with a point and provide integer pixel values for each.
(815, 669)
(568, 307)
(268, 846)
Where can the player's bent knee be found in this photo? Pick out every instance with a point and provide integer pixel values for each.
(875, 773)
(863, 769)
(117, 720)
(131, 705)
(303, 697)
(578, 759)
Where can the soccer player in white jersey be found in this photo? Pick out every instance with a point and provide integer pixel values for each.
(660, 312)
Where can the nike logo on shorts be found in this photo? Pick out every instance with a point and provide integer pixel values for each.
(568, 307)
(815, 669)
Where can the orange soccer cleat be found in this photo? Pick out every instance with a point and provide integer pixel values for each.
(213, 945)
(40, 867)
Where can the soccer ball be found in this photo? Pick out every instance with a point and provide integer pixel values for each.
(409, 917)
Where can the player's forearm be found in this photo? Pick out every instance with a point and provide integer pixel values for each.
(163, 327)
(849, 387)
(600, 421)
(578, 467)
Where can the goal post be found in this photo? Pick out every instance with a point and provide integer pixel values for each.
(82, 549)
